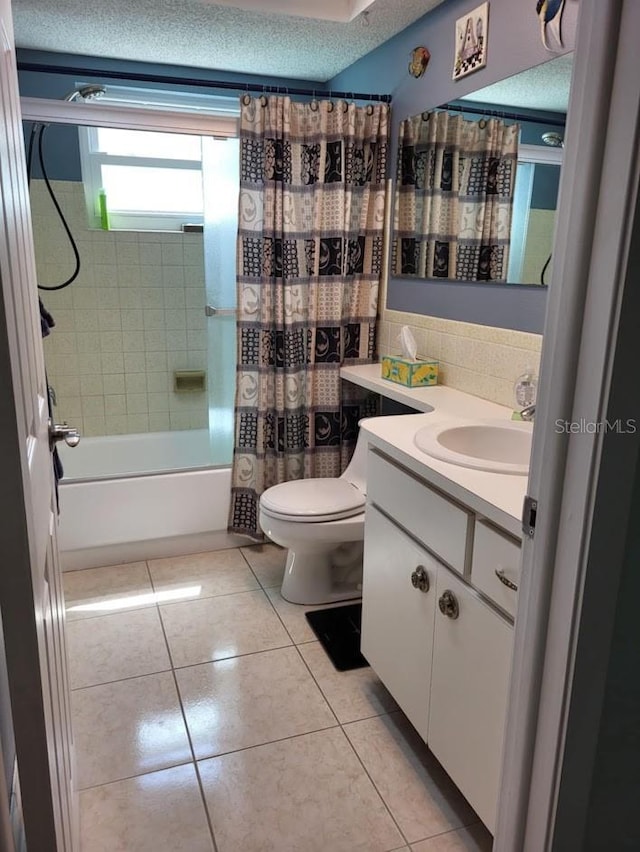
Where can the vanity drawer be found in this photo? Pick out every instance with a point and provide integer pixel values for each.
(442, 526)
(493, 552)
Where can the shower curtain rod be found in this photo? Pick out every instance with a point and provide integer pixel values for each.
(513, 116)
(194, 81)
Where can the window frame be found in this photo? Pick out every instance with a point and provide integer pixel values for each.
(166, 112)
(92, 160)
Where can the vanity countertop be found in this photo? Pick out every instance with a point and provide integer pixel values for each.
(496, 496)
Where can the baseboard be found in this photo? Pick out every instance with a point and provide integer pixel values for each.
(138, 551)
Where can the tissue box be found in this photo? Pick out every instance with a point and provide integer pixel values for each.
(411, 374)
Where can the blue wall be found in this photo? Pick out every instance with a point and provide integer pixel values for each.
(514, 45)
(61, 152)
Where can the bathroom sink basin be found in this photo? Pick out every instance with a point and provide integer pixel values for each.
(500, 446)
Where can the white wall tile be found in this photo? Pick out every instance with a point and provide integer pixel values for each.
(91, 385)
(134, 362)
(136, 383)
(133, 341)
(115, 404)
(159, 421)
(132, 320)
(158, 402)
(110, 354)
(137, 403)
(113, 383)
(137, 423)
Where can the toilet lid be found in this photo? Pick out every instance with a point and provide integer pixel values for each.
(313, 500)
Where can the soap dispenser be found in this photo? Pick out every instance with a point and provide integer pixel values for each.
(525, 388)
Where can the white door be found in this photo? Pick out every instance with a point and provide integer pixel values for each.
(30, 585)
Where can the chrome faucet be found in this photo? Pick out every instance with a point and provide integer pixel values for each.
(528, 412)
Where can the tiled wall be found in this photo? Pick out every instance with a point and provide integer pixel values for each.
(478, 359)
(539, 245)
(133, 316)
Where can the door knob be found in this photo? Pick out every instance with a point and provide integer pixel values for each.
(449, 605)
(62, 432)
(420, 579)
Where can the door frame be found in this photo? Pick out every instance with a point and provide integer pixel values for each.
(569, 473)
(582, 482)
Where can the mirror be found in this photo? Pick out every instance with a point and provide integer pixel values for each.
(537, 99)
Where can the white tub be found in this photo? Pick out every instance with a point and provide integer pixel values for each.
(113, 517)
(130, 455)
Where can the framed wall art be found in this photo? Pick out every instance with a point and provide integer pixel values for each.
(471, 42)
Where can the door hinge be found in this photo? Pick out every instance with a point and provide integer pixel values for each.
(529, 513)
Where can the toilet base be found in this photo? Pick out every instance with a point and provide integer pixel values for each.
(323, 575)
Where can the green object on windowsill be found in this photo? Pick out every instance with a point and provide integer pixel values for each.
(104, 213)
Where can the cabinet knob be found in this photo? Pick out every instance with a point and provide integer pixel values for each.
(420, 579)
(508, 583)
(449, 605)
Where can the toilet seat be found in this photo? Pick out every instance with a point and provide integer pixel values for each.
(313, 500)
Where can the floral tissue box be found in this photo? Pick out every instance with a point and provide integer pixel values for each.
(411, 374)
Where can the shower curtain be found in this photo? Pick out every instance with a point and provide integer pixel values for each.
(455, 195)
(309, 258)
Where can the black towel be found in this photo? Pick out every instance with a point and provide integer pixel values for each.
(47, 322)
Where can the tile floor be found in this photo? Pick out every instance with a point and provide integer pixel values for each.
(208, 719)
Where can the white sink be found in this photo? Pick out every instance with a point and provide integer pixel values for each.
(500, 446)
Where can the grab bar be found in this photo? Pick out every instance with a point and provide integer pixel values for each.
(210, 311)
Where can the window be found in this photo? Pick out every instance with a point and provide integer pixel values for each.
(151, 180)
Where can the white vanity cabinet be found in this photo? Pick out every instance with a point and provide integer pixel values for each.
(435, 622)
(398, 611)
(469, 684)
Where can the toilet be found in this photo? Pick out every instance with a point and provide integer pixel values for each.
(321, 522)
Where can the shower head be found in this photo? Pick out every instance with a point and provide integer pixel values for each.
(553, 139)
(86, 93)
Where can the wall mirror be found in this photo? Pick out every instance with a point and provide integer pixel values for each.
(537, 100)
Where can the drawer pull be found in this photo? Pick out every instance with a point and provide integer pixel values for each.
(420, 579)
(503, 579)
(449, 605)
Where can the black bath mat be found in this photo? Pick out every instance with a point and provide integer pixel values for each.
(338, 630)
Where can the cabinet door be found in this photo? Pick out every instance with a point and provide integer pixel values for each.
(469, 685)
(397, 617)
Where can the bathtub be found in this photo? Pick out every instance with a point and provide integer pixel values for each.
(130, 497)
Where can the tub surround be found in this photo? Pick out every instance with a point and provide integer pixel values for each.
(134, 315)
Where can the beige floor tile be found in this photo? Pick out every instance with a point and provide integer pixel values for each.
(417, 791)
(128, 728)
(267, 562)
(220, 572)
(224, 626)
(246, 701)
(159, 811)
(475, 838)
(113, 647)
(352, 695)
(292, 616)
(97, 591)
(307, 793)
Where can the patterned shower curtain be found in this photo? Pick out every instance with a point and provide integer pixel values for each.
(309, 258)
(455, 195)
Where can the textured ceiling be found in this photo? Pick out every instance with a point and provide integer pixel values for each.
(544, 87)
(204, 35)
